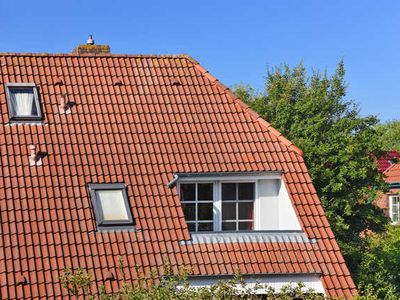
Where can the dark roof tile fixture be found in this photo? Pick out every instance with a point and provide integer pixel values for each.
(138, 119)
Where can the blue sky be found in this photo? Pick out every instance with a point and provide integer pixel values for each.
(235, 40)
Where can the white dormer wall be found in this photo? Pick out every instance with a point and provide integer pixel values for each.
(273, 208)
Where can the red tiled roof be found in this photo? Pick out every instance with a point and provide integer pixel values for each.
(139, 131)
(386, 161)
(392, 174)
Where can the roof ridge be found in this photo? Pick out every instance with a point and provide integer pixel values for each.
(94, 55)
(246, 108)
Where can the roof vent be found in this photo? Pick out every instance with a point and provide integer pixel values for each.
(175, 82)
(66, 105)
(91, 48)
(118, 82)
(35, 157)
(109, 276)
(21, 280)
(59, 81)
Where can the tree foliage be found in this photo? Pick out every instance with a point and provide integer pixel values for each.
(390, 135)
(380, 265)
(340, 147)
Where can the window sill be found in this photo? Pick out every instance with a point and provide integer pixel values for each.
(32, 122)
(117, 229)
(264, 236)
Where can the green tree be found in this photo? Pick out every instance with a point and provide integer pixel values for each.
(340, 147)
(382, 259)
(390, 135)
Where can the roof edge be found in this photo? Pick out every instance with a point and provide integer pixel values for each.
(93, 54)
(245, 107)
(389, 168)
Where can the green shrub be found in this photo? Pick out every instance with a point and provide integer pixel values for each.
(176, 287)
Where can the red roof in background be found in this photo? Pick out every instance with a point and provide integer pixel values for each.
(386, 161)
(139, 132)
(392, 174)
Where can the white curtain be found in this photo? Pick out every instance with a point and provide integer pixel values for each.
(22, 102)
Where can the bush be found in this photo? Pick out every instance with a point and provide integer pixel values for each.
(176, 287)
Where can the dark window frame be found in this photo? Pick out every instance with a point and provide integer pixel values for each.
(9, 86)
(196, 202)
(237, 201)
(98, 211)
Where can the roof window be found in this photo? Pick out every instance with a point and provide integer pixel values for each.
(111, 206)
(23, 102)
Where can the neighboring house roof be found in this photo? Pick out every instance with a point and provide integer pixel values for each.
(392, 174)
(387, 160)
(139, 119)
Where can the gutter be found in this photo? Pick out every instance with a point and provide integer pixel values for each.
(217, 175)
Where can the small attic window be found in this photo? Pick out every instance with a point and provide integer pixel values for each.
(23, 102)
(111, 206)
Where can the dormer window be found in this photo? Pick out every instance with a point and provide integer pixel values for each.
(23, 102)
(111, 206)
(232, 202)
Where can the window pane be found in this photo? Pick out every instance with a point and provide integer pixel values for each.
(245, 225)
(246, 191)
(205, 211)
(188, 192)
(228, 211)
(191, 226)
(189, 210)
(113, 205)
(23, 102)
(205, 227)
(395, 218)
(229, 226)
(246, 210)
(395, 200)
(229, 191)
(205, 191)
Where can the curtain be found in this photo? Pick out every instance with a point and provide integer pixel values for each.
(23, 103)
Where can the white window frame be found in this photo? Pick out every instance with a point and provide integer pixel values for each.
(391, 208)
(217, 183)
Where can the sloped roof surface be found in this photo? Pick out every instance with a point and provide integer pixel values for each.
(137, 120)
(386, 161)
(392, 174)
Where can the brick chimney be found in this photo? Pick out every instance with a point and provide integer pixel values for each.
(90, 47)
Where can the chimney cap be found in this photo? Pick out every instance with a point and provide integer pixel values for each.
(91, 48)
(90, 40)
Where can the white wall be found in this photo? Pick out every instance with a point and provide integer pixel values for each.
(311, 281)
(274, 210)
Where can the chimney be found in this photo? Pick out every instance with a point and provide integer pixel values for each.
(90, 47)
